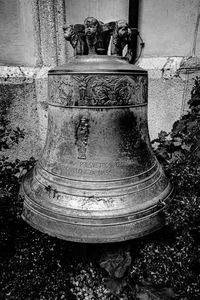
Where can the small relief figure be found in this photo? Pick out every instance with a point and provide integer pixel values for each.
(120, 37)
(82, 135)
(82, 83)
(94, 39)
(75, 35)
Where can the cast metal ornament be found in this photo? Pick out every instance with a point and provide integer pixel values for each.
(98, 179)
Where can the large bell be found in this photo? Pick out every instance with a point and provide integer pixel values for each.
(98, 179)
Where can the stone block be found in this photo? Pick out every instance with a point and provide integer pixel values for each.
(21, 110)
(164, 104)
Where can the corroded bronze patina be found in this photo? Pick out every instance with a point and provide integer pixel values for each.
(98, 179)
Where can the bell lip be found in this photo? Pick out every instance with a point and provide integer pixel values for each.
(124, 228)
(102, 233)
(98, 240)
(83, 64)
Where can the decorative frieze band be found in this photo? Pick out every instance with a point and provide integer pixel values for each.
(97, 90)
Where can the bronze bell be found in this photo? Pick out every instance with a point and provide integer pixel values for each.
(98, 179)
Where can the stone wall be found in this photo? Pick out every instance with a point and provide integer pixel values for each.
(18, 96)
(166, 92)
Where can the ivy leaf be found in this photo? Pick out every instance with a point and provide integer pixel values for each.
(178, 127)
(192, 125)
(186, 147)
(177, 142)
(162, 135)
(116, 262)
(198, 153)
(116, 285)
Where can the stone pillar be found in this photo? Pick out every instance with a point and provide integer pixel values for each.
(49, 17)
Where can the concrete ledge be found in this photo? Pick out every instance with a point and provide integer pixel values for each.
(17, 75)
(161, 67)
(19, 80)
(157, 67)
(19, 105)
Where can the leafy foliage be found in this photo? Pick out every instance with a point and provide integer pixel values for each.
(8, 136)
(183, 143)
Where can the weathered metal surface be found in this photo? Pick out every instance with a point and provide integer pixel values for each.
(98, 179)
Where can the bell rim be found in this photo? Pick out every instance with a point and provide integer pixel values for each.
(123, 231)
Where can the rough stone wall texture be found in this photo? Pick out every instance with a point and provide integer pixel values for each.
(18, 94)
(41, 84)
(167, 94)
(164, 104)
(49, 18)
